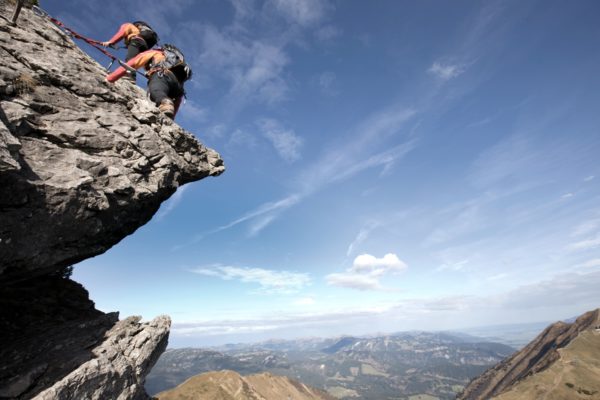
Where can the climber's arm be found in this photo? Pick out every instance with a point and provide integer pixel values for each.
(135, 63)
(123, 32)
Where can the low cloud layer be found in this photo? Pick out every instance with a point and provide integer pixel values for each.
(566, 294)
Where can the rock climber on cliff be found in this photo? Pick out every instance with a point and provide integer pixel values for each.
(166, 71)
(138, 37)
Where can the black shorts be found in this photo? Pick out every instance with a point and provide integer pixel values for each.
(164, 85)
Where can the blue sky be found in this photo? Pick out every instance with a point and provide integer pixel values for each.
(391, 165)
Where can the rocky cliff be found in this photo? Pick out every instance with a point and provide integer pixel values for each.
(82, 165)
(563, 362)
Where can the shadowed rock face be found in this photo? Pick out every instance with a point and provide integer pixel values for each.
(538, 356)
(83, 164)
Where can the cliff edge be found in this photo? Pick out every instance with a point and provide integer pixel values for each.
(82, 165)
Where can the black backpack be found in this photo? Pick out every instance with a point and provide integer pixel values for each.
(147, 33)
(175, 62)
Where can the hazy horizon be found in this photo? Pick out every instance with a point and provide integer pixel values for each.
(398, 166)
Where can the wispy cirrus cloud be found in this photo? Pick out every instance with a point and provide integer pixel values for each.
(167, 207)
(586, 227)
(301, 12)
(285, 141)
(590, 263)
(327, 83)
(328, 33)
(361, 152)
(446, 72)
(269, 281)
(362, 235)
(251, 54)
(366, 272)
(453, 266)
(586, 244)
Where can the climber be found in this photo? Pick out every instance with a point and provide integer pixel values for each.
(166, 71)
(138, 37)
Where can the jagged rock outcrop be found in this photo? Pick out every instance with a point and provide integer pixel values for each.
(551, 354)
(229, 385)
(88, 161)
(83, 164)
(119, 365)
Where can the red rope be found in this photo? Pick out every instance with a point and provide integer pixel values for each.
(94, 43)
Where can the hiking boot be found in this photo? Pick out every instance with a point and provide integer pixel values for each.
(167, 107)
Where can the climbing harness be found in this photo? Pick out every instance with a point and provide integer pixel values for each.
(94, 43)
(175, 62)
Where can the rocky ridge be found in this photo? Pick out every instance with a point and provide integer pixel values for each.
(229, 385)
(542, 354)
(82, 165)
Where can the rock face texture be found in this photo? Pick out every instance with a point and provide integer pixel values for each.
(229, 385)
(88, 161)
(83, 164)
(562, 362)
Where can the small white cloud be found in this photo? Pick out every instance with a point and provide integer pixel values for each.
(567, 196)
(366, 272)
(588, 178)
(447, 71)
(378, 266)
(285, 141)
(279, 282)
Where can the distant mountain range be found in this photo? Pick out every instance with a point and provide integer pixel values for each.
(562, 362)
(414, 365)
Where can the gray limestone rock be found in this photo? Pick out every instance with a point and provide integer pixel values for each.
(83, 163)
(119, 365)
(87, 160)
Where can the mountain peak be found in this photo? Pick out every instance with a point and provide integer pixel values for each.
(547, 366)
(229, 385)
